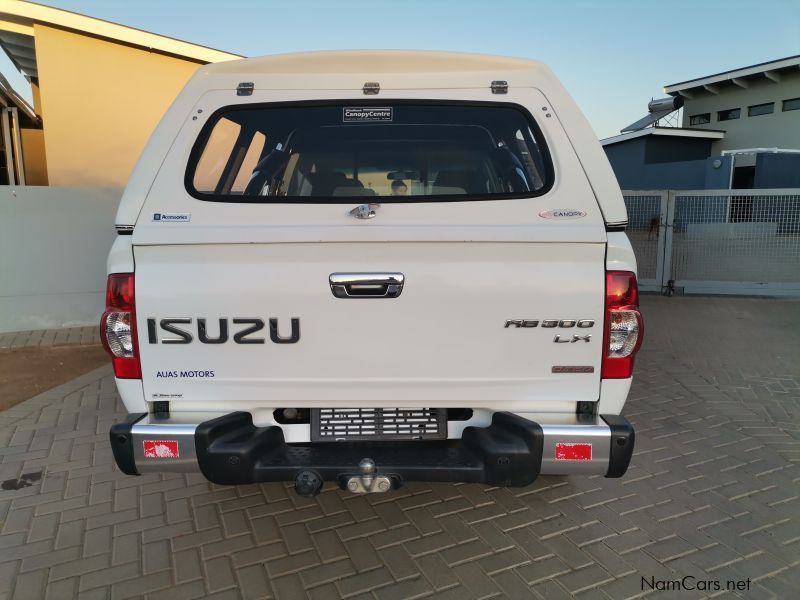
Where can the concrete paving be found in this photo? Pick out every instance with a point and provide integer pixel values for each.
(712, 496)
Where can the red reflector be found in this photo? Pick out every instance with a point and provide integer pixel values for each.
(573, 451)
(126, 368)
(160, 448)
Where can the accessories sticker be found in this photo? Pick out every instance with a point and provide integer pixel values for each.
(172, 217)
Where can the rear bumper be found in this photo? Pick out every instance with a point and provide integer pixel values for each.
(511, 451)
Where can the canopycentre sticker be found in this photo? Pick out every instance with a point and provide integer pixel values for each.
(362, 114)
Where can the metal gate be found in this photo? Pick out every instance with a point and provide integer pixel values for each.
(647, 218)
(716, 241)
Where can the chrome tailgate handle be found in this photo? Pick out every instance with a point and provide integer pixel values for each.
(366, 285)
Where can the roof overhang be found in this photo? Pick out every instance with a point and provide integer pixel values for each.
(17, 20)
(708, 134)
(9, 98)
(738, 77)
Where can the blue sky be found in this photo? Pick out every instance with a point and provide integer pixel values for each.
(612, 55)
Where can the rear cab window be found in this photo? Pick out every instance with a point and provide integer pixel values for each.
(393, 152)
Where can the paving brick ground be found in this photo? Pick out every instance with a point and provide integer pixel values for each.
(712, 493)
(68, 336)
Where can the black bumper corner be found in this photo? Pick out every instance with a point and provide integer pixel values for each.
(121, 436)
(623, 438)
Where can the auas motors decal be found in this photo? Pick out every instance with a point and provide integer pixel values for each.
(181, 331)
(184, 374)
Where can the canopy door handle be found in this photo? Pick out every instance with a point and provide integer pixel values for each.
(366, 285)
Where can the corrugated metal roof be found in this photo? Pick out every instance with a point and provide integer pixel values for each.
(713, 134)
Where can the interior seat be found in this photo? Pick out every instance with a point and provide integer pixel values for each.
(353, 190)
(323, 183)
(471, 181)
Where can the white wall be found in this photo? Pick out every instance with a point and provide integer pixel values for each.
(53, 247)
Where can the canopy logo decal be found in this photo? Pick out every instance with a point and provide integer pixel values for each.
(563, 213)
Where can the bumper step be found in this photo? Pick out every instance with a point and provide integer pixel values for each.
(512, 451)
(232, 450)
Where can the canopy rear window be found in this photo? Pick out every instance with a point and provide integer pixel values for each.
(393, 152)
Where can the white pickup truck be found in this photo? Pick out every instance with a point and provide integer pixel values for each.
(372, 268)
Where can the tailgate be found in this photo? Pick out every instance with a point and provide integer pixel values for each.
(444, 341)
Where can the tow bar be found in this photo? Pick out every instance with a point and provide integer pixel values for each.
(309, 483)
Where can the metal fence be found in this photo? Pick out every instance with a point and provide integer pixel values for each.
(716, 241)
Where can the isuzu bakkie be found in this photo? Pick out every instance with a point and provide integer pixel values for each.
(370, 268)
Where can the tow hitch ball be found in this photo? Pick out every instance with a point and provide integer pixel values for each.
(368, 481)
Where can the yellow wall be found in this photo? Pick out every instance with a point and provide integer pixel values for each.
(33, 156)
(37, 98)
(100, 102)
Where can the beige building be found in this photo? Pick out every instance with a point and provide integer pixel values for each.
(756, 106)
(98, 89)
(738, 129)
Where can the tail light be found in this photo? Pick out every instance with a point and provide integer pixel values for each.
(118, 326)
(624, 328)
